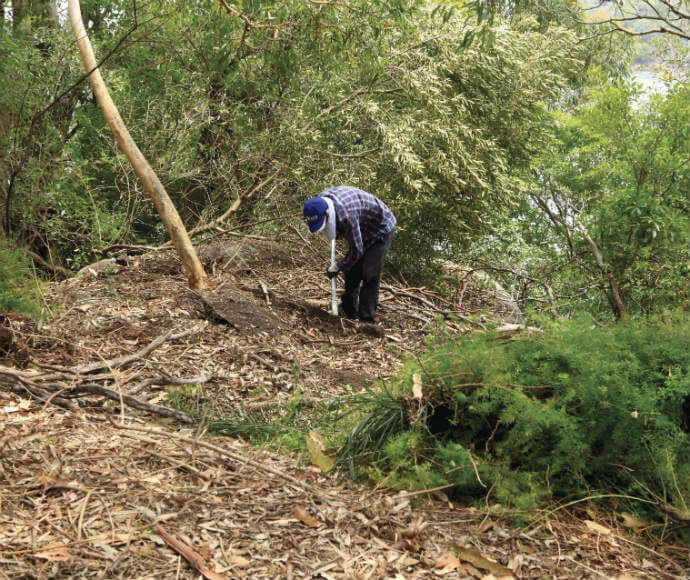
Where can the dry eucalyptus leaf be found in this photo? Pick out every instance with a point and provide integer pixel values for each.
(317, 446)
(305, 517)
(447, 564)
(595, 527)
(53, 552)
(633, 522)
(479, 561)
(239, 561)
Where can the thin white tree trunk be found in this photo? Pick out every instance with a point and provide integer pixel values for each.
(166, 209)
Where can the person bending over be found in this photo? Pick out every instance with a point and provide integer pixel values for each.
(368, 225)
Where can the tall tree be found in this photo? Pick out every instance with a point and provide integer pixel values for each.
(436, 128)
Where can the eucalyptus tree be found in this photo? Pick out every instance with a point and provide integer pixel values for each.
(166, 209)
(256, 107)
(603, 17)
(34, 118)
(634, 18)
(211, 89)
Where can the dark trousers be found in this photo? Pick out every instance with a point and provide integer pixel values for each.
(361, 296)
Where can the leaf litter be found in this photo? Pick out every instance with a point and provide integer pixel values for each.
(108, 491)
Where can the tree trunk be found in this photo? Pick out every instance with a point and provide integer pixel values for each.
(166, 209)
(617, 305)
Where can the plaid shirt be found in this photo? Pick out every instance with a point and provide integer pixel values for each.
(361, 219)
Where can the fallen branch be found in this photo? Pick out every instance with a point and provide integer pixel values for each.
(130, 248)
(49, 265)
(41, 394)
(165, 378)
(126, 359)
(674, 513)
(306, 242)
(193, 557)
(60, 383)
(446, 313)
(405, 313)
(130, 401)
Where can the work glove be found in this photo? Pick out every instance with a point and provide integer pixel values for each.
(332, 271)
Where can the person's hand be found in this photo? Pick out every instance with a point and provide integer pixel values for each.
(332, 272)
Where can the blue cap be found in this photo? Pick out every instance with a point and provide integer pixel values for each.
(315, 213)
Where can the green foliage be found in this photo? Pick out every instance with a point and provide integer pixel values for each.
(575, 410)
(15, 277)
(383, 418)
(436, 131)
(279, 428)
(389, 96)
(444, 115)
(48, 200)
(616, 170)
(283, 427)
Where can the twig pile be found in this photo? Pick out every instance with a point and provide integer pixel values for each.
(60, 385)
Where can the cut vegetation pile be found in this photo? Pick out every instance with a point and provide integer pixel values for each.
(572, 411)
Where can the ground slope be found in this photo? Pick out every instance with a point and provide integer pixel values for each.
(92, 492)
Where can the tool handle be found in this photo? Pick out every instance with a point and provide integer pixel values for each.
(334, 302)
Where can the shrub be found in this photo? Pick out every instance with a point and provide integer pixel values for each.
(576, 410)
(14, 276)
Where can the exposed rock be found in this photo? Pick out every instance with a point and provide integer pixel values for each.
(108, 265)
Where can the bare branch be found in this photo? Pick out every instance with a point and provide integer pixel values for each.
(232, 209)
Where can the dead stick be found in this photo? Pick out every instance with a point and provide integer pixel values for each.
(674, 513)
(126, 359)
(193, 557)
(232, 209)
(132, 402)
(23, 383)
(433, 306)
(136, 389)
(71, 373)
(404, 313)
(306, 243)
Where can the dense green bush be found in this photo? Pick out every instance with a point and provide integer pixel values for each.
(14, 273)
(575, 411)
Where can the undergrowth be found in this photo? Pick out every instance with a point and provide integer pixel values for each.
(15, 276)
(572, 412)
(280, 428)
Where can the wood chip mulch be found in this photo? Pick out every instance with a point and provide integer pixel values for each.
(81, 497)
